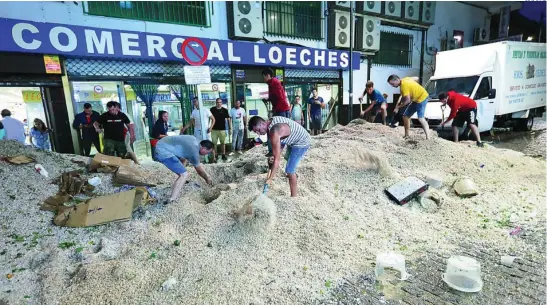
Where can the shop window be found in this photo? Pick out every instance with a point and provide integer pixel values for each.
(395, 50)
(177, 12)
(302, 19)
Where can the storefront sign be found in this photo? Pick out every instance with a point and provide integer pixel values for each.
(30, 96)
(240, 74)
(195, 75)
(52, 64)
(71, 40)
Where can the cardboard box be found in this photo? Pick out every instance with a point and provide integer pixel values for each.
(132, 176)
(100, 210)
(101, 160)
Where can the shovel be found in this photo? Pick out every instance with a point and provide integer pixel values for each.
(247, 208)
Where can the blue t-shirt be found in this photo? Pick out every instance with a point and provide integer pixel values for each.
(185, 146)
(40, 139)
(315, 109)
(376, 96)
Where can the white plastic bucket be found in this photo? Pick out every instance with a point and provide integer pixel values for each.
(463, 274)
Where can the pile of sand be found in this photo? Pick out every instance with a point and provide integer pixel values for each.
(340, 220)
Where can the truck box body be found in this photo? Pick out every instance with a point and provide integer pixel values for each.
(515, 70)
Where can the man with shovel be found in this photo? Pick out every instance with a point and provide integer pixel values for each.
(283, 132)
(462, 109)
(173, 152)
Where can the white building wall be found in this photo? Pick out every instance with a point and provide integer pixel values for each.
(73, 14)
(449, 16)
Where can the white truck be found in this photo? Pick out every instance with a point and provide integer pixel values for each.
(506, 79)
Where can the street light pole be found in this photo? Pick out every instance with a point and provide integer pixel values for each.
(350, 110)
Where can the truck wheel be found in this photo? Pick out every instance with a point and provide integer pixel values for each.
(525, 124)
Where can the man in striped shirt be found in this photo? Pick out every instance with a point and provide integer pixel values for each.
(283, 132)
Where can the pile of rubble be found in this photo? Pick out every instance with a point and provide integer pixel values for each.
(194, 250)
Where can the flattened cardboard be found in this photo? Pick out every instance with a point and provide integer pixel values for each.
(100, 210)
(101, 160)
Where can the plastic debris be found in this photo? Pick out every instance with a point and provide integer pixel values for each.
(463, 273)
(391, 260)
(40, 169)
(167, 285)
(508, 260)
(515, 231)
(95, 181)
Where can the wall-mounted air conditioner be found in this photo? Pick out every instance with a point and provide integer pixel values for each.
(412, 10)
(245, 20)
(369, 7)
(338, 4)
(338, 30)
(428, 12)
(481, 35)
(367, 36)
(392, 8)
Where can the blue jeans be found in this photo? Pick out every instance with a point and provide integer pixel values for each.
(174, 164)
(237, 139)
(286, 114)
(416, 107)
(293, 156)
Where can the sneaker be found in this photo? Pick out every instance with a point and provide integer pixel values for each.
(224, 157)
(480, 144)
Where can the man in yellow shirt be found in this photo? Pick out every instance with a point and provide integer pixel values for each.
(414, 94)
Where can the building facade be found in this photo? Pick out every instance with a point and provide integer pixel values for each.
(70, 53)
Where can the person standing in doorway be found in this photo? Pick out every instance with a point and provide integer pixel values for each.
(84, 123)
(239, 121)
(221, 115)
(462, 110)
(196, 118)
(377, 102)
(277, 95)
(315, 104)
(297, 114)
(413, 95)
(15, 129)
(39, 135)
(114, 122)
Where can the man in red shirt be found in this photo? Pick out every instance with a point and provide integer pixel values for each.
(277, 95)
(462, 109)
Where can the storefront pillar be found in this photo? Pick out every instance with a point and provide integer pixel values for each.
(70, 110)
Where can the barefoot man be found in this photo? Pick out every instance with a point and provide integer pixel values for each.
(173, 151)
(283, 132)
(413, 95)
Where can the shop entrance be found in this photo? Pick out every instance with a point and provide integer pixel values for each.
(44, 103)
(329, 93)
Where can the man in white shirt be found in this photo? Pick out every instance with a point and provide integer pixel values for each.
(196, 118)
(239, 121)
(15, 129)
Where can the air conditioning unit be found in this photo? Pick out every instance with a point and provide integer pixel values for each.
(338, 34)
(245, 20)
(481, 35)
(367, 36)
(428, 12)
(335, 4)
(369, 7)
(412, 10)
(392, 8)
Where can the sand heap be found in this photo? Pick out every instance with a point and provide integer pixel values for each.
(341, 219)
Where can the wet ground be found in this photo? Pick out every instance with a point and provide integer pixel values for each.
(531, 143)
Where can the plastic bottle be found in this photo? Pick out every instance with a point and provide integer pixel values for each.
(39, 168)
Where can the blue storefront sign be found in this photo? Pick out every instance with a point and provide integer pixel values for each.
(81, 41)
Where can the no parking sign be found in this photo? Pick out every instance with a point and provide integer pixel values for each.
(194, 51)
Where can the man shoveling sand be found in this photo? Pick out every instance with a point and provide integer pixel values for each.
(283, 131)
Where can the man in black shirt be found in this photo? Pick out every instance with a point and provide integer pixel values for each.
(219, 129)
(113, 123)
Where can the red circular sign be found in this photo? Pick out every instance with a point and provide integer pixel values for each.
(194, 51)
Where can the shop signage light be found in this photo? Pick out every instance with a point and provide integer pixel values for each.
(71, 40)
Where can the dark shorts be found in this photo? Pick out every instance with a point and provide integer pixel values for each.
(286, 114)
(315, 122)
(114, 148)
(469, 116)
